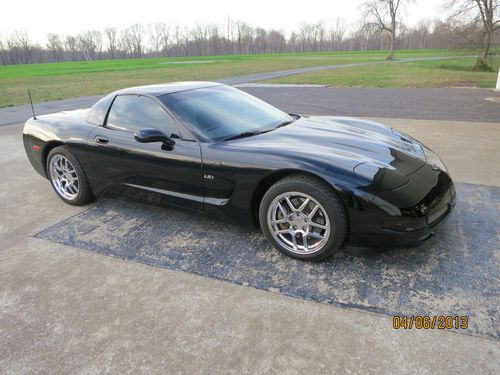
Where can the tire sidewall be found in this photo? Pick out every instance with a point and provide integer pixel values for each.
(327, 200)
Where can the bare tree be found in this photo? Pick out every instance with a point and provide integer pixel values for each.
(229, 29)
(97, 38)
(484, 12)
(159, 34)
(70, 46)
(312, 36)
(20, 43)
(337, 31)
(90, 44)
(112, 41)
(125, 43)
(422, 32)
(320, 35)
(304, 35)
(261, 39)
(214, 39)
(179, 45)
(276, 41)
(244, 36)
(132, 40)
(85, 46)
(3, 51)
(199, 34)
(55, 46)
(384, 14)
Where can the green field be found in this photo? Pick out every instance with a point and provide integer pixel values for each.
(54, 81)
(447, 73)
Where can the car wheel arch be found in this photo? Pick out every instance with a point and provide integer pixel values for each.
(49, 147)
(270, 179)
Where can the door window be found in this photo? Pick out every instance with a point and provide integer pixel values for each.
(131, 113)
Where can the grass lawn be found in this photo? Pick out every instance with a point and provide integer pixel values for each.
(446, 73)
(54, 81)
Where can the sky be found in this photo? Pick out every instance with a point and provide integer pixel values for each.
(70, 17)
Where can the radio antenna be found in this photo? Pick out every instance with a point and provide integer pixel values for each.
(31, 102)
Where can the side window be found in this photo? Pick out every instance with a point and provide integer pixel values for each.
(97, 113)
(132, 112)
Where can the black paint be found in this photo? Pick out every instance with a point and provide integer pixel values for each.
(388, 182)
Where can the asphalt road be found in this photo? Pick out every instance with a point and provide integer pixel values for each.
(421, 104)
(457, 104)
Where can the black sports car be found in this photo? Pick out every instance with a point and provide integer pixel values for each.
(310, 182)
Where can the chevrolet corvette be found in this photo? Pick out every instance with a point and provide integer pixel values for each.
(310, 182)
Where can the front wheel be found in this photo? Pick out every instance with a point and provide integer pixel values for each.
(303, 218)
(67, 177)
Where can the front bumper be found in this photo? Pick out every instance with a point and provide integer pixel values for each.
(422, 206)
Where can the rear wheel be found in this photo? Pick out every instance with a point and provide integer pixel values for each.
(67, 177)
(303, 218)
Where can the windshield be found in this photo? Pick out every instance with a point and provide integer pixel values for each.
(223, 111)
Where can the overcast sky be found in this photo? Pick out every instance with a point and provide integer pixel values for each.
(40, 17)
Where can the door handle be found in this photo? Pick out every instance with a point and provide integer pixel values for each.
(101, 139)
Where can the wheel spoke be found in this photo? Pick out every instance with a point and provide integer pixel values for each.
(313, 212)
(315, 235)
(281, 231)
(289, 202)
(282, 209)
(304, 204)
(281, 221)
(294, 239)
(320, 226)
(304, 241)
(71, 189)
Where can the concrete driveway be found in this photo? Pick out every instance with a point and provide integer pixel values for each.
(64, 309)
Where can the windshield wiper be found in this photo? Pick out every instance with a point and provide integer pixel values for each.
(285, 123)
(288, 122)
(244, 134)
(255, 132)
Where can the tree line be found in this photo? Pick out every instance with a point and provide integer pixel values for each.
(380, 29)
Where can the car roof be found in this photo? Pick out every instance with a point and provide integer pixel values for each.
(166, 88)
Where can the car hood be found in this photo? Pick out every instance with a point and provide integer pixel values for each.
(343, 140)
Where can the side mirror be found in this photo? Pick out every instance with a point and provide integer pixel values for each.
(154, 135)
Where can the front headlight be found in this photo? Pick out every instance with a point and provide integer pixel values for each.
(434, 160)
(381, 176)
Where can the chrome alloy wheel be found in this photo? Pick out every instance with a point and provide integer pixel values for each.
(298, 223)
(64, 177)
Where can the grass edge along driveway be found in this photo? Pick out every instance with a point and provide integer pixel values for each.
(54, 81)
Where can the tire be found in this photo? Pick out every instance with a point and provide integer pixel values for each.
(62, 166)
(324, 227)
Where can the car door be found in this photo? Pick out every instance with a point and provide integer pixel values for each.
(118, 158)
